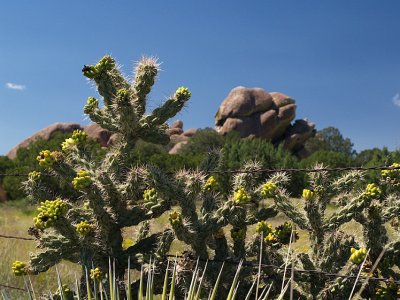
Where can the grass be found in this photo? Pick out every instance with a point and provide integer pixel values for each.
(16, 218)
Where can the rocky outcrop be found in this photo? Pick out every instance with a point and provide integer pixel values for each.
(253, 112)
(94, 131)
(101, 135)
(179, 137)
(46, 134)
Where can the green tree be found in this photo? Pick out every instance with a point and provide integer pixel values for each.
(204, 141)
(330, 139)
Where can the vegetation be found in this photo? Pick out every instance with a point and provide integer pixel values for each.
(93, 195)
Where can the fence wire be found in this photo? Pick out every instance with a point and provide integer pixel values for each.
(266, 170)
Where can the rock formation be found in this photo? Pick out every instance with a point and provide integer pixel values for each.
(253, 112)
(93, 130)
(179, 137)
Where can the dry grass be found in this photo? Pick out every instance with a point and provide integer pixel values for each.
(16, 218)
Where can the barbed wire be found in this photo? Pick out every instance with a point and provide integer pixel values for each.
(12, 287)
(266, 170)
(16, 237)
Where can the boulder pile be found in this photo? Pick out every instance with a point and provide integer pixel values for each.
(253, 112)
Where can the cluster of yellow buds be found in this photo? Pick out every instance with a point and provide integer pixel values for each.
(182, 93)
(19, 268)
(372, 192)
(392, 176)
(240, 196)
(83, 228)
(150, 196)
(358, 256)
(82, 181)
(49, 213)
(392, 291)
(238, 234)
(271, 238)
(107, 63)
(211, 184)
(78, 137)
(264, 227)
(34, 175)
(308, 194)
(175, 218)
(91, 104)
(282, 234)
(96, 274)
(46, 158)
(268, 190)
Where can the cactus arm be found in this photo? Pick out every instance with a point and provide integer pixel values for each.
(283, 204)
(145, 75)
(167, 110)
(136, 214)
(346, 213)
(146, 246)
(56, 248)
(107, 78)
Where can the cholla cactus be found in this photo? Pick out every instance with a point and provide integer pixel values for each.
(106, 195)
(332, 250)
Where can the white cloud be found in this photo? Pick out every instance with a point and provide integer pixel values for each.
(18, 87)
(396, 99)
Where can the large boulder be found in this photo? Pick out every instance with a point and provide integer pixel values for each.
(46, 134)
(253, 112)
(243, 102)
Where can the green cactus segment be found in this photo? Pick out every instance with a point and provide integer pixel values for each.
(19, 268)
(169, 109)
(46, 158)
(240, 196)
(145, 75)
(391, 291)
(83, 228)
(268, 190)
(50, 212)
(358, 256)
(82, 181)
(238, 234)
(34, 175)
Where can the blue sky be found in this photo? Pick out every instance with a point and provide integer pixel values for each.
(340, 60)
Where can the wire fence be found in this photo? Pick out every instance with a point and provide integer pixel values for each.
(262, 170)
(249, 264)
